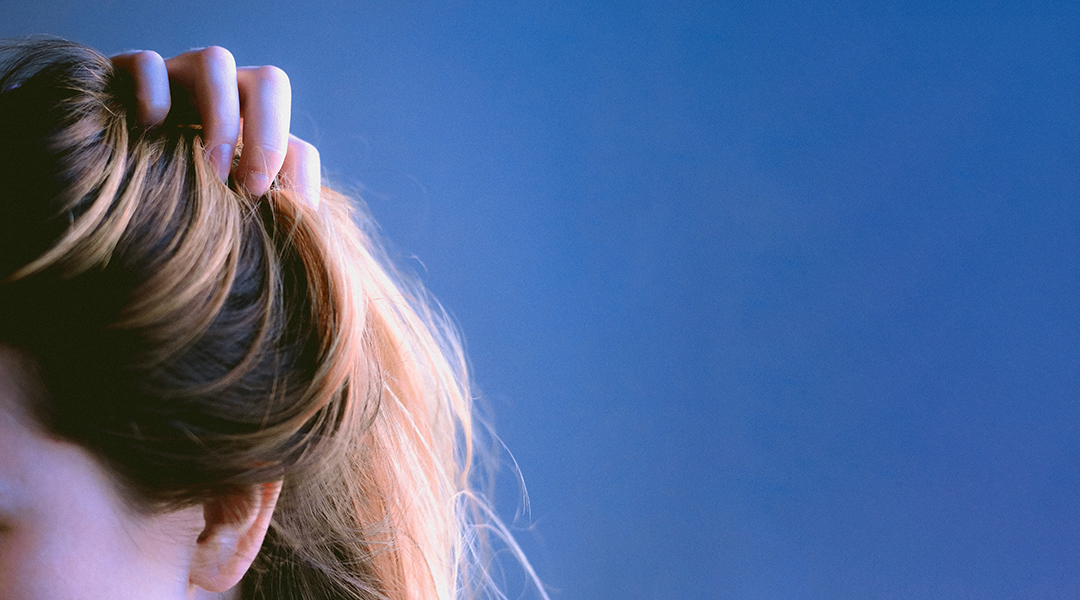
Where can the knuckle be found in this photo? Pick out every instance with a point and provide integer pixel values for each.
(304, 150)
(272, 76)
(216, 57)
(146, 60)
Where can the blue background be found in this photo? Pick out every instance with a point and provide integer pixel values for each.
(769, 300)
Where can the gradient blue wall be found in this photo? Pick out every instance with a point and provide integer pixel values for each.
(769, 301)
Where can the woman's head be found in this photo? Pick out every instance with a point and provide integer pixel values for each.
(168, 314)
(202, 345)
(65, 531)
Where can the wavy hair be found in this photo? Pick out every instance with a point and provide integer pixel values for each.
(199, 341)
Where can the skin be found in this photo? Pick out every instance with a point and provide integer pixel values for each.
(257, 100)
(64, 530)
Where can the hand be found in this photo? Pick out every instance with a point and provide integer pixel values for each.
(226, 97)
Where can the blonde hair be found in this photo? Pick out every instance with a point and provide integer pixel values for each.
(199, 341)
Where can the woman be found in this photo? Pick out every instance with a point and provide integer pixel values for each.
(210, 385)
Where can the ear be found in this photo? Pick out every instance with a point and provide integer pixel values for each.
(235, 527)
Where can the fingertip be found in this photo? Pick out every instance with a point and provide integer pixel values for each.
(265, 98)
(256, 183)
(258, 166)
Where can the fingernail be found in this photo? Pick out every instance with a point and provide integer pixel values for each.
(257, 183)
(221, 157)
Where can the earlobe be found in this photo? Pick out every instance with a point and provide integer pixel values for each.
(235, 527)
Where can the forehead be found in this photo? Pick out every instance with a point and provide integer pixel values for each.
(41, 475)
(33, 463)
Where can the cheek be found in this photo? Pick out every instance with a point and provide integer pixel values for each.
(76, 559)
(77, 542)
(35, 565)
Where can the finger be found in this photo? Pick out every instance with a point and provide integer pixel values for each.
(302, 170)
(209, 76)
(147, 69)
(266, 107)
